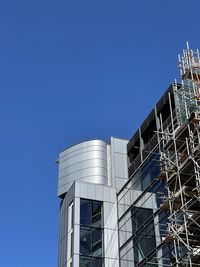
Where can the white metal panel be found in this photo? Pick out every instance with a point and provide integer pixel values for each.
(86, 161)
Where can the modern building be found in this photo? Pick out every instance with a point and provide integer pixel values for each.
(89, 175)
(137, 202)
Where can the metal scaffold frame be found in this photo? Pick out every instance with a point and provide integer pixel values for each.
(179, 145)
(174, 190)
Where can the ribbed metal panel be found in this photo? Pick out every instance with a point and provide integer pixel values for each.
(86, 161)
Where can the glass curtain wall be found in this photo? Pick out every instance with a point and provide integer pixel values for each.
(143, 228)
(91, 233)
(146, 173)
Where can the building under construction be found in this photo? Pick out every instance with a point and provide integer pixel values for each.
(161, 227)
(137, 202)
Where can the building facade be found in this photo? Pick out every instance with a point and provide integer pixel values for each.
(137, 202)
(89, 175)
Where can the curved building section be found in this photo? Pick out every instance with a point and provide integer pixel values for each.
(86, 161)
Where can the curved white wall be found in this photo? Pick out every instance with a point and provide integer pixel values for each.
(86, 161)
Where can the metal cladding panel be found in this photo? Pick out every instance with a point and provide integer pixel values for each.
(119, 162)
(86, 161)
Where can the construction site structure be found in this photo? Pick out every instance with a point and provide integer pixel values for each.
(159, 206)
(180, 158)
(136, 203)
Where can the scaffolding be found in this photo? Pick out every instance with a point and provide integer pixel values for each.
(173, 192)
(180, 166)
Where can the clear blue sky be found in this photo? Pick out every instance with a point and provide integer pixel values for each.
(70, 71)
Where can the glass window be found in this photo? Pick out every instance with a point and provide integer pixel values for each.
(144, 240)
(147, 173)
(85, 212)
(85, 262)
(85, 241)
(97, 243)
(91, 233)
(70, 230)
(97, 262)
(91, 262)
(90, 213)
(96, 214)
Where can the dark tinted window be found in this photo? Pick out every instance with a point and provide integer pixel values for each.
(96, 214)
(85, 212)
(91, 233)
(143, 228)
(85, 262)
(85, 241)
